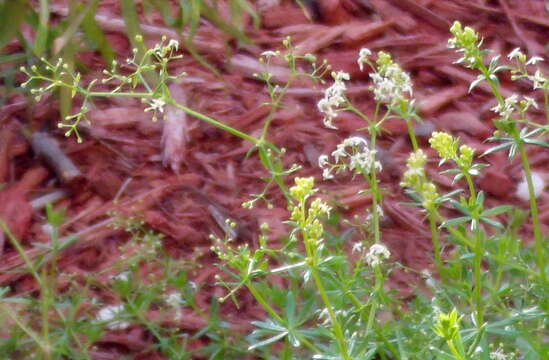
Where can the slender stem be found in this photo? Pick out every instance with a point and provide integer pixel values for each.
(373, 307)
(31, 333)
(117, 94)
(471, 185)
(546, 103)
(538, 236)
(313, 261)
(22, 252)
(479, 303)
(358, 305)
(376, 195)
(412, 134)
(495, 89)
(436, 242)
(338, 331)
(479, 252)
(217, 124)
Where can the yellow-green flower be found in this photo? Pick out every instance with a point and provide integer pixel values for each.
(444, 144)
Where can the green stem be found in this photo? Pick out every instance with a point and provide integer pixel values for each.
(436, 242)
(312, 260)
(471, 185)
(373, 307)
(358, 305)
(216, 123)
(117, 94)
(22, 253)
(412, 134)
(479, 304)
(376, 196)
(338, 331)
(495, 89)
(546, 102)
(538, 236)
(32, 334)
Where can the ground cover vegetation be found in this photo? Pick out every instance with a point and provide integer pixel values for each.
(325, 293)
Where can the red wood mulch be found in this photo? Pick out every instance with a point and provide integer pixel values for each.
(133, 166)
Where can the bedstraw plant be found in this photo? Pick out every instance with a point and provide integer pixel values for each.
(326, 296)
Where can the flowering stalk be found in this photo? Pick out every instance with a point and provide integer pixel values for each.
(414, 178)
(467, 41)
(312, 230)
(447, 148)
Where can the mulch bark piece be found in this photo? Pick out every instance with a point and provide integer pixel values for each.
(179, 176)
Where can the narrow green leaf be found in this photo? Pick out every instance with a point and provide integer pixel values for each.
(498, 210)
(12, 15)
(77, 13)
(42, 32)
(96, 36)
(131, 19)
(497, 148)
(456, 221)
(494, 223)
(536, 142)
(268, 341)
(165, 9)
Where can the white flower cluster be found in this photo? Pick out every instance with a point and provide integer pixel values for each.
(376, 255)
(519, 55)
(361, 158)
(500, 355)
(512, 103)
(175, 301)
(334, 97)
(163, 51)
(110, 315)
(538, 79)
(363, 55)
(155, 105)
(391, 84)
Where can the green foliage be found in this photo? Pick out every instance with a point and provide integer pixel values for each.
(487, 300)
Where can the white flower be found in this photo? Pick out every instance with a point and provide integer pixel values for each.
(326, 167)
(515, 54)
(498, 355)
(269, 53)
(123, 276)
(355, 141)
(376, 254)
(390, 87)
(173, 44)
(506, 110)
(429, 280)
(538, 79)
(522, 188)
(109, 314)
(358, 246)
(156, 105)
(173, 299)
(323, 160)
(327, 106)
(334, 97)
(364, 160)
(534, 60)
(363, 55)
(527, 102)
